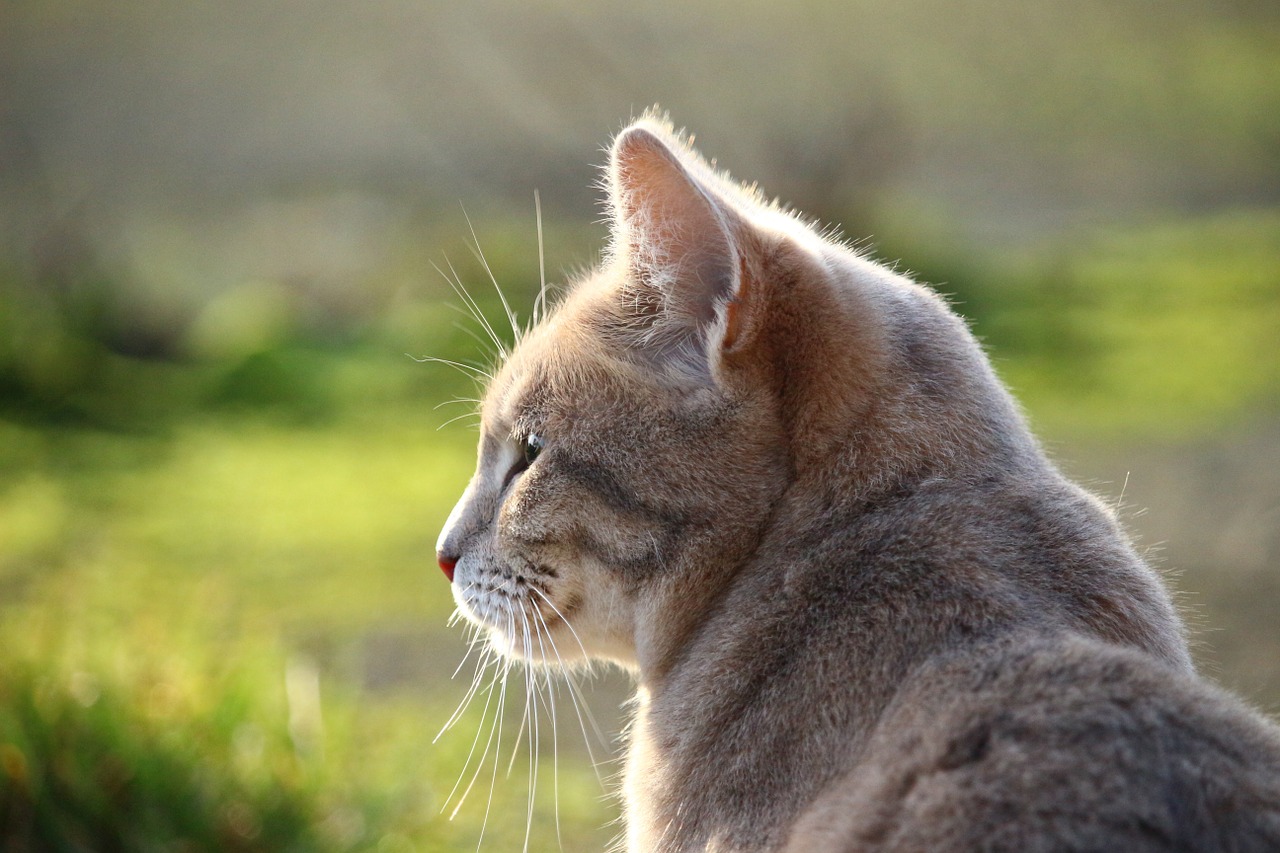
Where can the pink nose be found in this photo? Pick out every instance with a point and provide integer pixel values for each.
(446, 566)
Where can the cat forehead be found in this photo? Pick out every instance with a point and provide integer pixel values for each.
(554, 363)
(518, 390)
(569, 361)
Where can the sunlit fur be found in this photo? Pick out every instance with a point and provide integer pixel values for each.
(783, 487)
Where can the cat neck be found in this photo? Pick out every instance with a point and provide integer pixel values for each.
(878, 389)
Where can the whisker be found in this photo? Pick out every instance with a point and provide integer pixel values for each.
(467, 764)
(497, 752)
(578, 701)
(465, 658)
(531, 699)
(466, 369)
(455, 401)
(506, 307)
(556, 610)
(524, 718)
(476, 680)
(477, 314)
(540, 302)
(551, 709)
(471, 645)
(483, 342)
(470, 313)
(457, 418)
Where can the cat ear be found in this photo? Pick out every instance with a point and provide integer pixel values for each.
(677, 237)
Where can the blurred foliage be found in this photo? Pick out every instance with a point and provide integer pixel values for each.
(191, 660)
(1164, 330)
(97, 771)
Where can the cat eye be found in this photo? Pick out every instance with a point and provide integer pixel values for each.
(532, 447)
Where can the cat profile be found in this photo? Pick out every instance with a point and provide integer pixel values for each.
(782, 486)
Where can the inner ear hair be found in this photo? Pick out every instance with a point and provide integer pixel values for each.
(676, 234)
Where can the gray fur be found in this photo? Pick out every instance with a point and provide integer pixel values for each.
(863, 610)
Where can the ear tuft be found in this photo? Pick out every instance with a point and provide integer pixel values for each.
(641, 140)
(675, 235)
(648, 178)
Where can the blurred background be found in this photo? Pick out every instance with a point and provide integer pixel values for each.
(222, 469)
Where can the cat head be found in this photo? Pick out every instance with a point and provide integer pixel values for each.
(727, 369)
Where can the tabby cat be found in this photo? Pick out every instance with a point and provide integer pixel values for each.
(781, 485)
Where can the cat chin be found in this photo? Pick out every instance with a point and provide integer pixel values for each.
(494, 614)
(517, 633)
(515, 648)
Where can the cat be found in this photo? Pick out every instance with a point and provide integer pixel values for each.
(782, 486)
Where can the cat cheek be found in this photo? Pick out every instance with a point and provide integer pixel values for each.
(530, 517)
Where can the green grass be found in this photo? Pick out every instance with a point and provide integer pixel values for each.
(159, 591)
(1169, 330)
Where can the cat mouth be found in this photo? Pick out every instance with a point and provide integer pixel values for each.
(519, 614)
